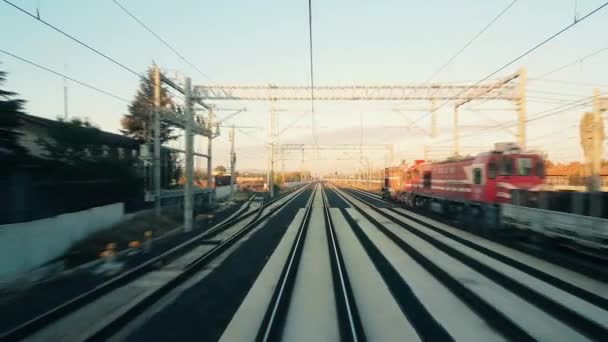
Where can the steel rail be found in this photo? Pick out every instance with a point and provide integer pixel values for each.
(425, 325)
(546, 277)
(350, 326)
(584, 325)
(274, 318)
(54, 314)
(493, 317)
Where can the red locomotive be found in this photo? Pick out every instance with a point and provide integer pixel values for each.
(483, 180)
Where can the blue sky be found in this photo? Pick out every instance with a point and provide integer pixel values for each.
(355, 42)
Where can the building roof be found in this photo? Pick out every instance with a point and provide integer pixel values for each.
(106, 138)
(572, 169)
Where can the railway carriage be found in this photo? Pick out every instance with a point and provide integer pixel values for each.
(467, 185)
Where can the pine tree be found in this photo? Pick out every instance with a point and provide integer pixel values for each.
(138, 124)
(10, 108)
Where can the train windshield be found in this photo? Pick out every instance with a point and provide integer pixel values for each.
(540, 168)
(506, 166)
(524, 166)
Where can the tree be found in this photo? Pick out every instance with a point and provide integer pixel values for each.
(72, 142)
(10, 108)
(138, 124)
(219, 170)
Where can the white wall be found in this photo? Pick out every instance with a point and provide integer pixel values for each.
(292, 184)
(223, 192)
(27, 245)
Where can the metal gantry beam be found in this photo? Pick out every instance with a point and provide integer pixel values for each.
(353, 92)
(184, 120)
(389, 149)
(460, 93)
(517, 93)
(338, 147)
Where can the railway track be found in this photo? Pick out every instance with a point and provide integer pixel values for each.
(589, 266)
(570, 303)
(277, 315)
(382, 273)
(352, 267)
(176, 265)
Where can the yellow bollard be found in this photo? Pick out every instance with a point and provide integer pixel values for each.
(109, 252)
(134, 244)
(148, 238)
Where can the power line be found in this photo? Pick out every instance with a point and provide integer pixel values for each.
(534, 117)
(539, 45)
(312, 79)
(553, 99)
(63, 75)
(532, 49)
(485, 28)
(580, 84)
(160, 39)
(579, 60)
(74, 39)
(557, 93)
(552, 133)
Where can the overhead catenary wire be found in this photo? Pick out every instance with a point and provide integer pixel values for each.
(312, 75)
(537, 46)
(65, 76)
(534, 117)
(577, 61)
(74, 39)
(527, 52)
(556, 93)
(164, 42)
(552, 133)
(465, 46)
(570, 83)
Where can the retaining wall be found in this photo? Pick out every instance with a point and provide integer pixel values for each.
(28, 245)
(223, 192)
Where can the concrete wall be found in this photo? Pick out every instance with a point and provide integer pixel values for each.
(27, 245)
(223, 192)
(292, 184)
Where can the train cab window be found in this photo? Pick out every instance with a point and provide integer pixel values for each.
(491, 170)
(506, 167)
(426, 179)
(477, 175)
(524, 166)
(540, 169)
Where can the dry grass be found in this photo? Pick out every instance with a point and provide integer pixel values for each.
(121, 234)
(130, 230)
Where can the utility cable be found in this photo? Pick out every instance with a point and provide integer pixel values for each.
(578, 60)
(130, 14)
(74, 39)
(65, 76)
(312, 78)
(530, 50)
(465, 46)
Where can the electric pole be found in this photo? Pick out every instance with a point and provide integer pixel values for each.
(596, 154)
(282, 154)
(188, 208)
(521, 109)
(456, 134)
(273, 143)
(302, 167)
(65, 100)
(209, 152)
(433, 118)
(157, 204)
(232, 163)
